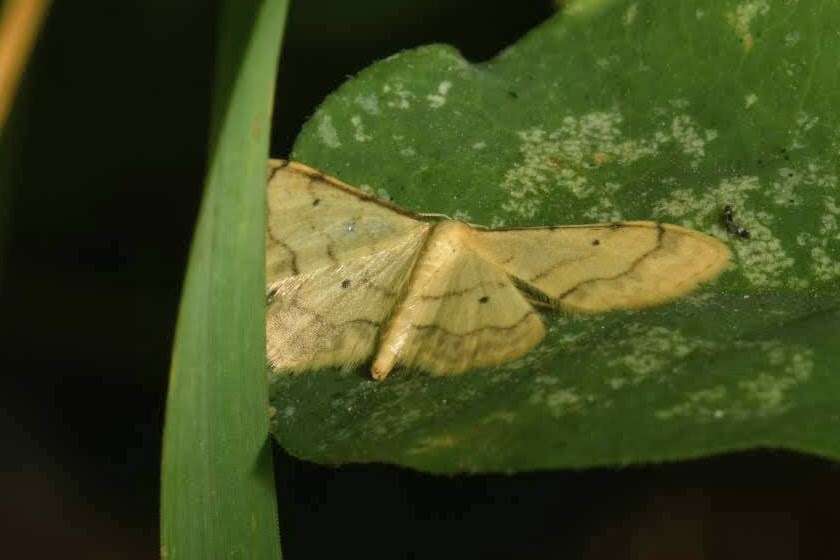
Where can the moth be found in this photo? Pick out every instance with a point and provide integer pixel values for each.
(351, 278)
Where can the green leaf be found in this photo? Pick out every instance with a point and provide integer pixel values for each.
(611, 110)
(218, 488)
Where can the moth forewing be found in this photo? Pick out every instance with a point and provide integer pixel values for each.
(601, 267)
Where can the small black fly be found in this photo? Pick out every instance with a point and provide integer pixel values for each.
(731, 226)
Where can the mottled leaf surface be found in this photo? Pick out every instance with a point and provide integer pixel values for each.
(611, 110)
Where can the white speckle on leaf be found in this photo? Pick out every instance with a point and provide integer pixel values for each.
(438, 100)
(327, 132)
(479, 145)
(557, 159)
(603, 63)
(767, 390)
(565, 331)
(560, 401)
(616, 383)
(828, 223)
(804, 123)
(590, 7)
(781, 367)
(742, 19)
(630, 14)
(786, 186)
(764, 262)
(563, 159)
(503, 416)
(702, 404)
(766, 394)
(644, 351)
(685, 134)
(824, 241)
(826, 267)
(433, 443)
(825, 244)
(791, 68)
(792, 38)
(359, 129)
(749, 100)
(408, 152)
(699, 14)
(785, 190)
(605, 209)
(398, 96)
(369, 103)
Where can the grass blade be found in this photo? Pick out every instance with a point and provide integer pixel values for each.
(217, 495)
(19, 24)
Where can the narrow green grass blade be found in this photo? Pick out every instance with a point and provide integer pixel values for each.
(217, 488)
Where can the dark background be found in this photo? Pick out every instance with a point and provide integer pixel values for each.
(104, 161)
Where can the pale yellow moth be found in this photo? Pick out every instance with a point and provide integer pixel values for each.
(350, 278)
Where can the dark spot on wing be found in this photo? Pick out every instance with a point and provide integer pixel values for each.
(483, 299)
(316, 202)
(345, 283)
(596, 242)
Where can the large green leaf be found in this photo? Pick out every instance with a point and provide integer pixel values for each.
(611, 110)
